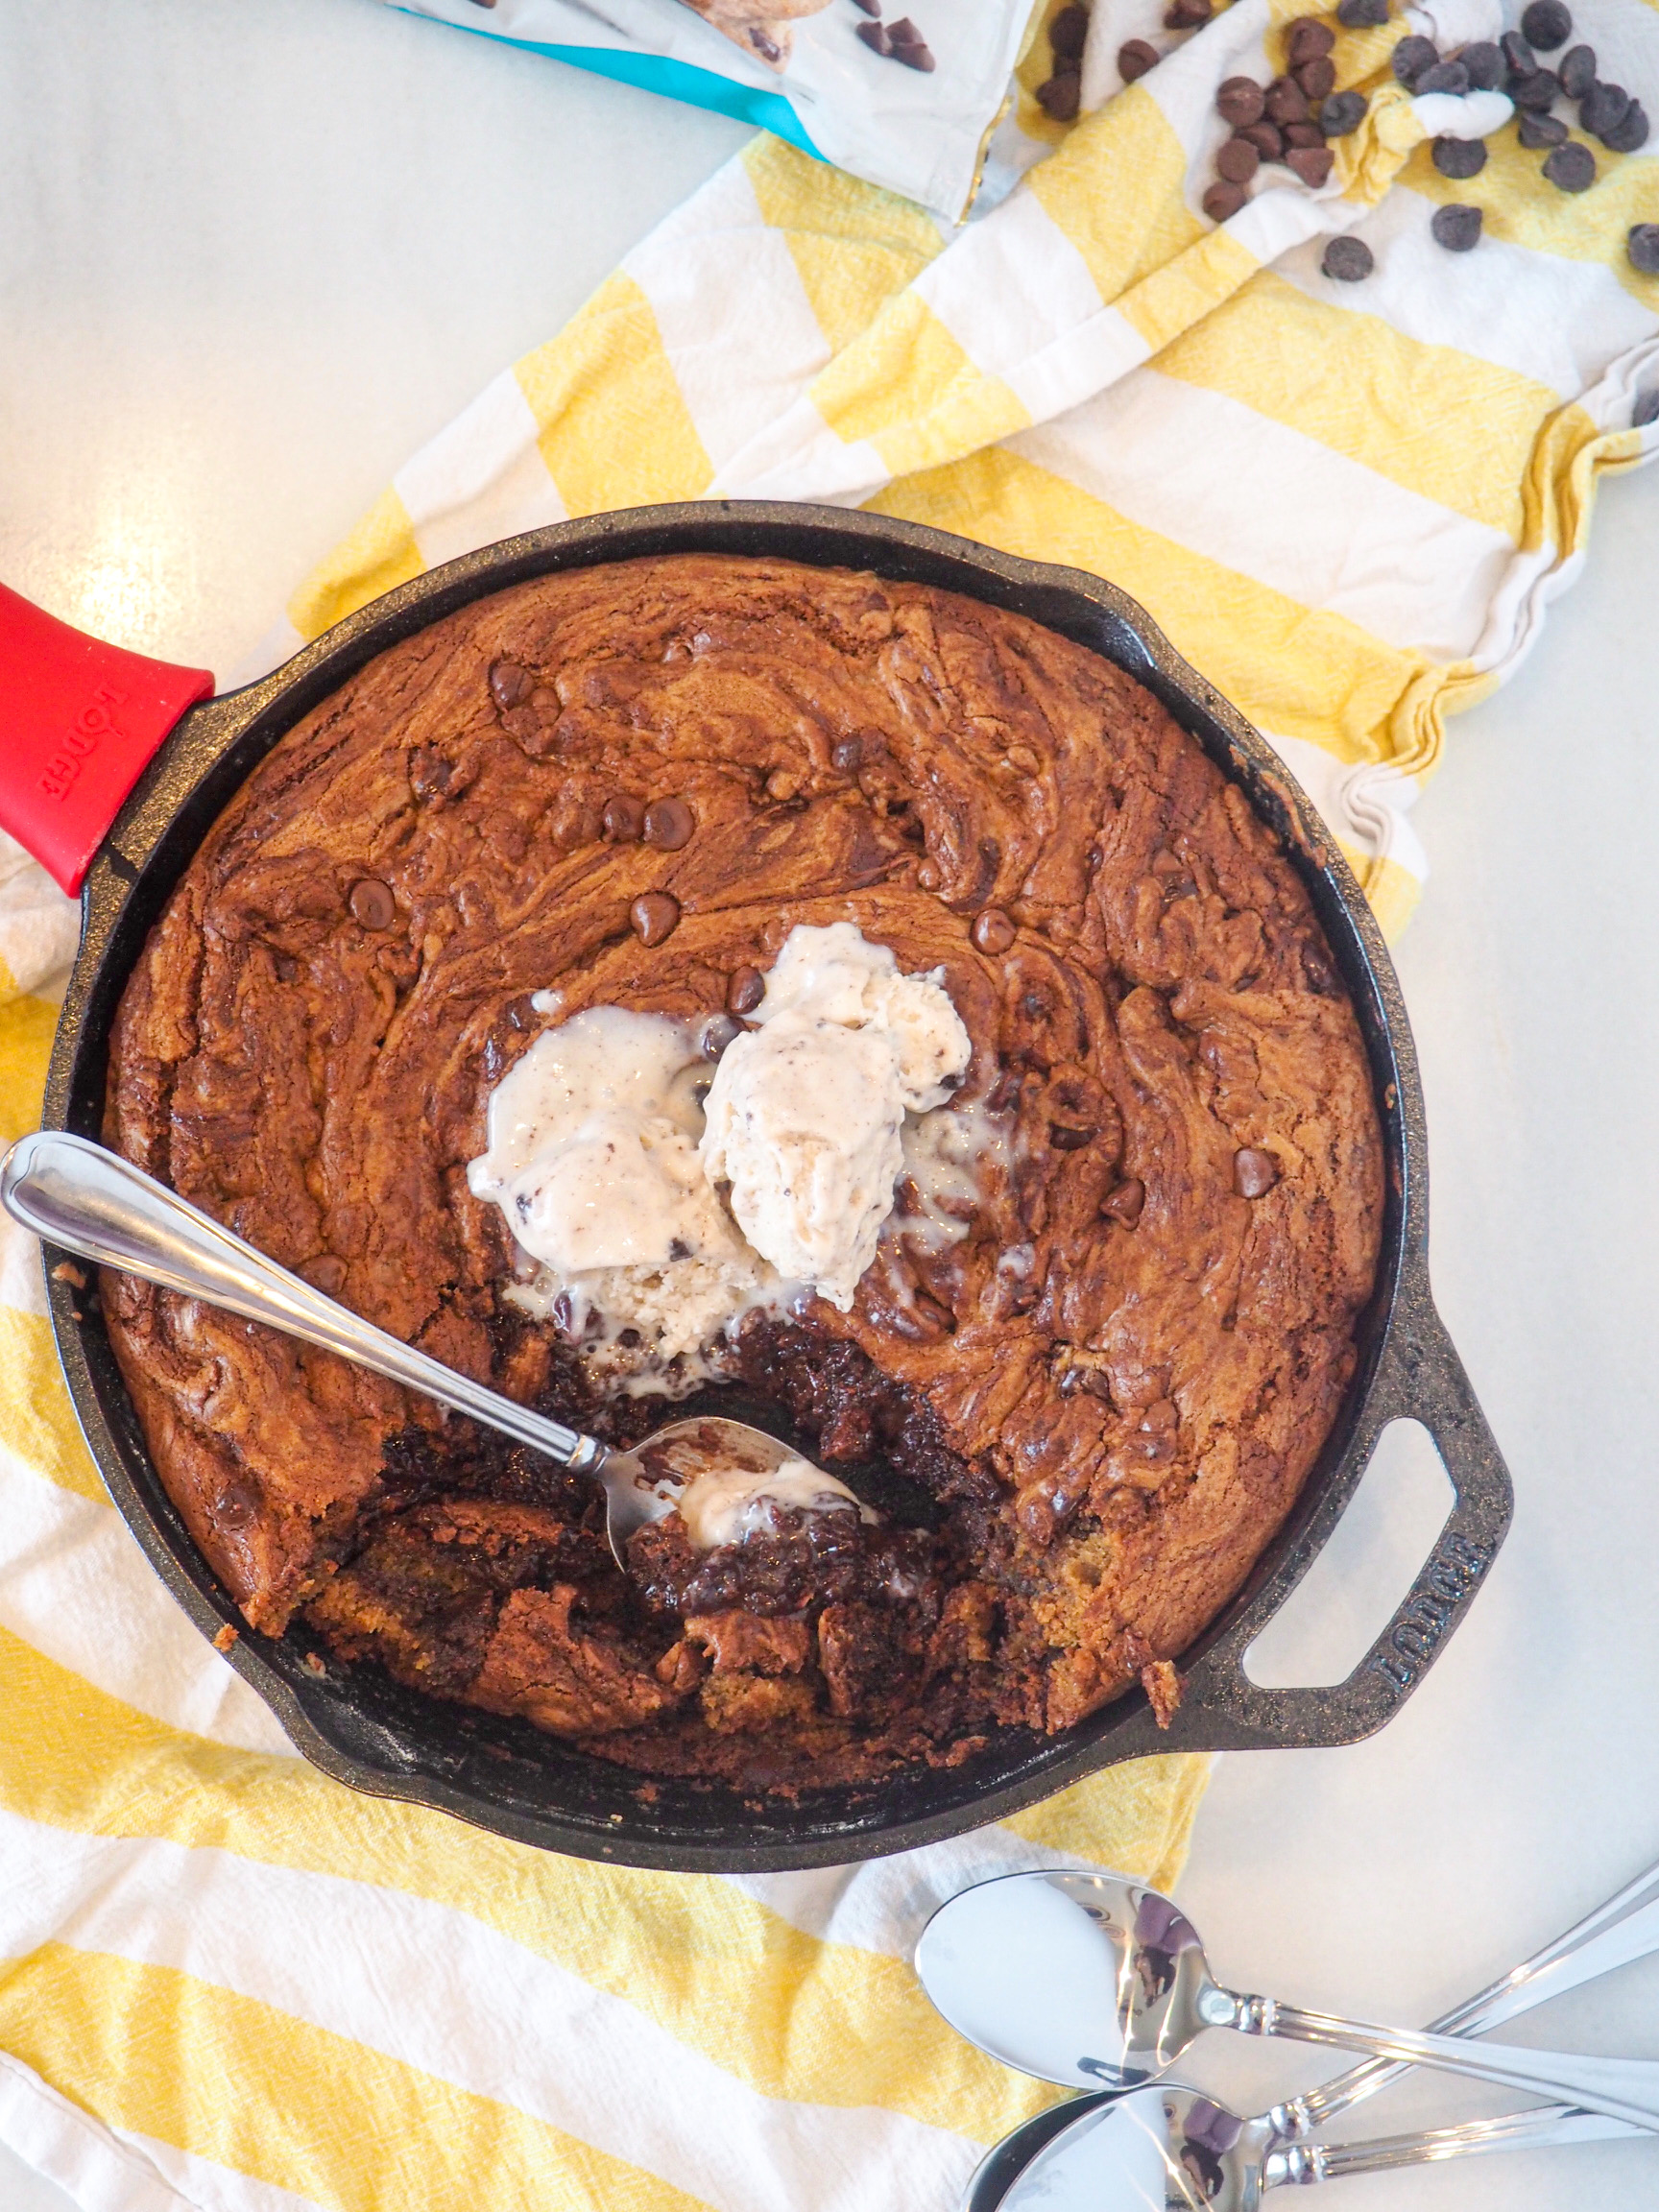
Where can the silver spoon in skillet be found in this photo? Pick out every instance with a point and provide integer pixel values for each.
(91, 1202)
(1090, 1980)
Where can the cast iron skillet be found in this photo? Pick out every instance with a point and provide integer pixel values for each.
(360, 1727)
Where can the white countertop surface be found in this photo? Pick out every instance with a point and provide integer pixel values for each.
(251, 256)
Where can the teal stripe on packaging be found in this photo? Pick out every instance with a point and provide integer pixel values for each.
(658, 73)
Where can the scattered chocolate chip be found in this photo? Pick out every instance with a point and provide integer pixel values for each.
(623, 819)
(1239, 101)
(1135, 56)
(1456, 228)
(909, 46)
(1311, 163)
(929, 876)
(1412, 57)
(1349, 261)
(717, 1032)
(1318, 79)
(1539, 91)
(1304, 135)
(669, 824)
(1237, 161)
(1629, 136)
(1576, 70)
(1519, 59)
(846, 755)
(1342, 113)
(1537, 131)
(1254, 1172)
(520, 1012)
(1186, 14)
(1571, 168)
(1307, 40)
(1066, 1137)
(876, 38)
(372, 903)
(1459, 158)
(510, 686)
(654, 915)
(1285, 100)
(1546, 25)
(1361, 14)
(745, 990)
(1125, 1203)
(1061, 97)
(1223, 201)
(325, 1273)
(1068, 33)
(1646, 409)
(236, 1507)
(993, 931)
(868, 7)
(1642, 248)
(1267, 139)
(1602, 108)
(1444, 77)
(1483, 63)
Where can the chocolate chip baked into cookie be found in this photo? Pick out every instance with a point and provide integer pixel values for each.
(838, 997)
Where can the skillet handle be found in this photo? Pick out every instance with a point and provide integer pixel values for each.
(1421, 1379)
(79, 722)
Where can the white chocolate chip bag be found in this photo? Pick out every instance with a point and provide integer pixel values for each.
(903, 93)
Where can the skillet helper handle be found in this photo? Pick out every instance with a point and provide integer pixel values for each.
(1422, 1379)
(78, 723)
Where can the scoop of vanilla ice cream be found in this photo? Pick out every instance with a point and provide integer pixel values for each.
(804, 1115)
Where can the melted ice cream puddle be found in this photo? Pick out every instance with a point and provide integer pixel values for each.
(729, 1504)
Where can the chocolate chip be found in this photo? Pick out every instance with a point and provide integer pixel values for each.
(1629, 136)
(654, 915)
(669, 824)
(1546, 24)
(1317, 79)
(1254, 1172)
(237, 1507)
(1285, 100)
(623, 819)
(1239, 101)
(745, 990)
(1536, 132)
(1307, 40)
(717, 1032)
(1483, 62)
(1602, 108)
(1349, 261)
(875, 36)
(993, 931)
(1459, 158)
(1642, 248)
(1456, 228)
(1061, 97)
(929, 876)
(868, 7)
(510, 686)
(1361, 14)
(1237, 161)
(845, 754)
(1267, 139)
(372, 903)
(1412, 57)
(325, 1273)
(1135, 56)
(1571, 168)
(1186, 14)
(1576, 70)
(1304, 135)
(1125, 1203)
(909, 46)
(1519, 59)
(1646, 409)
(1223, 201)
(1342, 113)
(1065, 1137)
(1311, 163)
(1539, 91)
(1444, 77)
(1068, 33)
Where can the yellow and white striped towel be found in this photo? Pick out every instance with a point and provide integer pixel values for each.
(226, 1982)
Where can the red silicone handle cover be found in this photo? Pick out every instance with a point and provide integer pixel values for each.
(78, 721)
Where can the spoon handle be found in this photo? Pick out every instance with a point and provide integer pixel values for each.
(92, 1202)
(1626, 2088)
(1625, 1928)
(1535, 2130)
